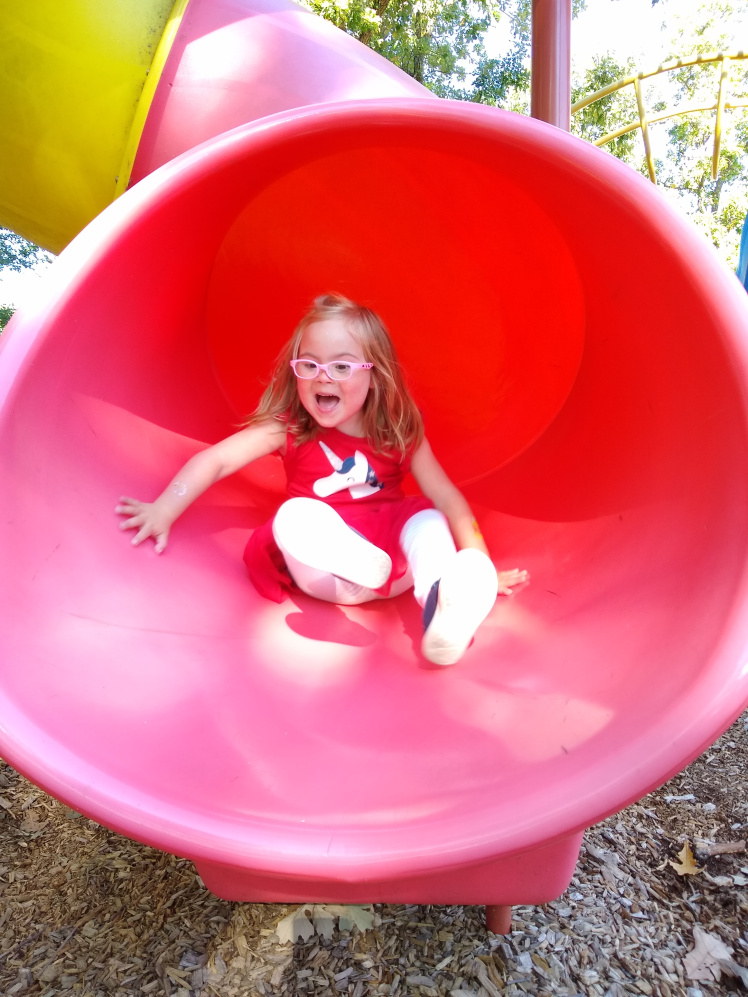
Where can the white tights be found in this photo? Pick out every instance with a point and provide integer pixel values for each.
(425, 540)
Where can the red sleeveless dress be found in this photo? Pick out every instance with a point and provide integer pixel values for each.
(364, 487)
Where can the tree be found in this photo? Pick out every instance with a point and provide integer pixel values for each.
(717, 205)
(609, 113)
(494, 79)
(17, 254)
(428, 39)
(683, 145)
(441, 43)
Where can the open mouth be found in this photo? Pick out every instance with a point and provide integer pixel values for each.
(327, 403)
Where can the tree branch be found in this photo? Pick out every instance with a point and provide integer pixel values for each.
(365, 35)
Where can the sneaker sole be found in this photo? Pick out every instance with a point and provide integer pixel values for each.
(467, 593)
(309, 534)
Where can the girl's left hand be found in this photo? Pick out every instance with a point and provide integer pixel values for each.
(510, 579)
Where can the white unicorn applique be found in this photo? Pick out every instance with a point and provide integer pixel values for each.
(354, 473)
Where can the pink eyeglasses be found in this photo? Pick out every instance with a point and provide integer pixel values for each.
(338, 370)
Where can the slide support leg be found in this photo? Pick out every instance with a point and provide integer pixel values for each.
(499, 918)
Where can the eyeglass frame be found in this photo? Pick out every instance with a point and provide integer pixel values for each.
(325, 367)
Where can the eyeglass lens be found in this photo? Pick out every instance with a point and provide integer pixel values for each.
(338, 371)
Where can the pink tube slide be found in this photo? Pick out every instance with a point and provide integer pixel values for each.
(580, 358)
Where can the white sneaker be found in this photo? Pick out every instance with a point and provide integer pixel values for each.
(464, 596)
(312, 532)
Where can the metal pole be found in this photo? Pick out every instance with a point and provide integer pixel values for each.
(551, 62)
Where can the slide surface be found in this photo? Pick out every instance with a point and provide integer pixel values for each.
(597, 423)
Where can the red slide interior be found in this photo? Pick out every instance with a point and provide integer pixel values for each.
(580, 359)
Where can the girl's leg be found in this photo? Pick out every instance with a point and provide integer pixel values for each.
(428, 546)
(456, 589)
(329, 588)
(326, 558)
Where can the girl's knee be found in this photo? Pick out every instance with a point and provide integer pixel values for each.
(297, 506)
(428, 518)
(427, 527)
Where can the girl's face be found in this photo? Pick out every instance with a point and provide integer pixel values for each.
(333, 404)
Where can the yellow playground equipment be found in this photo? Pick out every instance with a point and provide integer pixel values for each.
(721, 104)
(76, 83)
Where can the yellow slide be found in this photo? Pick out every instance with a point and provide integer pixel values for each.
(96, 94)
(75, 85)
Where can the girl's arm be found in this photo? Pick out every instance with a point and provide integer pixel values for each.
(155, 519)
(449, 500)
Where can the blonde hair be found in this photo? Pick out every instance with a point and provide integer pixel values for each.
(391, 419)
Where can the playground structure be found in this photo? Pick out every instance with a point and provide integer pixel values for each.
(167, 76)
(721, 104)
(301, 751)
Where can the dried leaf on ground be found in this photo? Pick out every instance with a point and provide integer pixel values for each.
(295, 925)
(320, 919)
(703, 961)
(687, 864)
(362, 917)
(730, 967)
(107, 916)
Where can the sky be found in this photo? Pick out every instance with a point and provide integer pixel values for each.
(620, 27)
(626, 28)
(15, 288)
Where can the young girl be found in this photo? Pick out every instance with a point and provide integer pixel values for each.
(338, 412)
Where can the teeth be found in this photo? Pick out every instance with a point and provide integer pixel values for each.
(327, 402)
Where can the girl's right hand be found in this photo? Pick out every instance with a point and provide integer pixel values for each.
(146, 519)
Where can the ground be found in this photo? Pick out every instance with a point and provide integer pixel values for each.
(85, 911)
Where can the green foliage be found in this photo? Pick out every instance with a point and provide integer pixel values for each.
(718, 206)
(503, 82)
(609, 113)
(740, 133)
(440, 43)
(428, 39)
(519, 13)
(16, 253)
(494, 78)
(683, 146)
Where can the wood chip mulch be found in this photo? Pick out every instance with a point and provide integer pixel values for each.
(658, 906)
